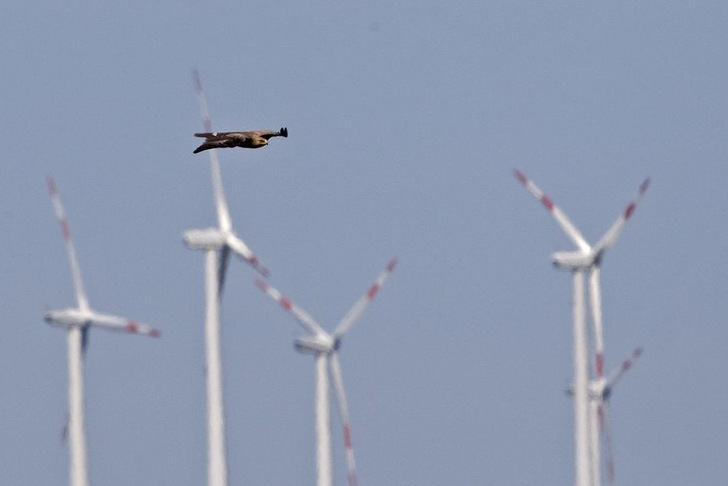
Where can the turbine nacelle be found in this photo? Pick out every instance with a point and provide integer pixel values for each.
(204, 239)
(599, 389)
(317, 344)
(576, 260)
(67, 318)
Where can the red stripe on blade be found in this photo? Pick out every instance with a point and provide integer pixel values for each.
(391, 265)
(286, 304)
(65, 229)
(521, 177)
(347, 437)
(628, 212)
(373, 291)
(600, 365)
(547, 202)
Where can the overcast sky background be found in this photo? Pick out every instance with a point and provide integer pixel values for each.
(406, 120)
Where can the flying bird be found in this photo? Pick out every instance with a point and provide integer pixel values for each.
(255, 139)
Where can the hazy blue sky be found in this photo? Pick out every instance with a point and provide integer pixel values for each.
(406, 120)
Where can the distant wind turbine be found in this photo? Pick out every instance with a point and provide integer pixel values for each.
(78, 320)
(325, 347)
(600, 392)
(586, 259)
(220, 240)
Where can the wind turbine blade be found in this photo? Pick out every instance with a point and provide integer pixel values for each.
(241, 249)
(301, 315)
(563, 221)
(626, 365)
(610, 237)
(358, 309)
(81, 298)
(222, 269)
(335, 367)
(64, 430)
(595, 295)
(116, 323)
(84, 341)
(202, 100)
(223, 214)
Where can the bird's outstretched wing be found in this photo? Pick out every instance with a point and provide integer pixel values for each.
(215, 136)
(221, 140)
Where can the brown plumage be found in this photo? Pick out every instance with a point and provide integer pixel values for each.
(256, 139)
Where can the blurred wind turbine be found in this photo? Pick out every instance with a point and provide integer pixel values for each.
(585, 259)
(325, 347)
(220, 239)
(600, 391)
(78, 321)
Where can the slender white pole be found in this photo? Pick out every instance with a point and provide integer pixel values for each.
(595, 304)
(595, 293)
(594, 451)
(323, 432)
(76, 427)
(581, 391)
(216, 450)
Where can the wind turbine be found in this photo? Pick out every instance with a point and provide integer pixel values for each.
(220, 240)
(78, 320)
(586, 259)
(600, 391)
(325, 347)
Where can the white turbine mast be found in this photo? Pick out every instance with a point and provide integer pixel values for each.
(78, 320)
(217, 243)
(585, 260)
(325, 347)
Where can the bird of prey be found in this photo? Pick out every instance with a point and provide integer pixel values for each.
(255, 139)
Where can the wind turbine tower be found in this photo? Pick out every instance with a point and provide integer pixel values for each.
(217, 243)
(78, 321)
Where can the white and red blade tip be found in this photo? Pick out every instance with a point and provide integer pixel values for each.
(358, 309)
(136, 328)
(58, 208)
(545, 200)
(624, 367)
(629, 362)
(374, 289)
(633, 205)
